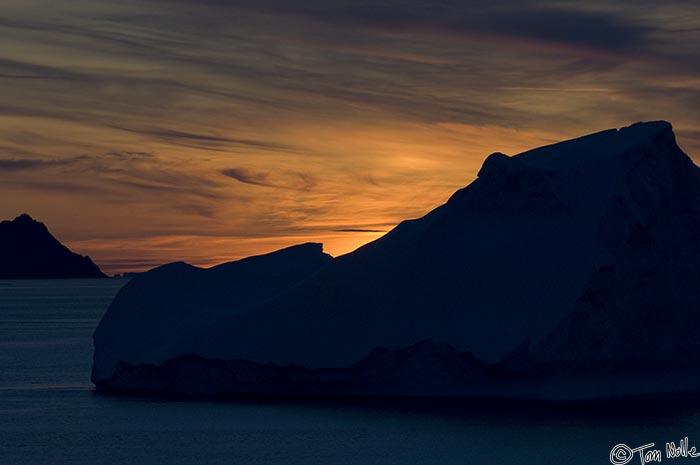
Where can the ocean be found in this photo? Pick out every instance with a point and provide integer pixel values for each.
(50, 413)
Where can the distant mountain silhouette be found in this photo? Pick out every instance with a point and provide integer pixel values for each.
(568, 271)
(29, 251)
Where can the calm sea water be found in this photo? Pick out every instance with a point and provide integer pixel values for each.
(50, 414)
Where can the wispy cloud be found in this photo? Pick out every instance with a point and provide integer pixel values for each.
(573, 26)
(206, 139)
(256, 178)
(116, 177)
(353, 230)
(290, 180)
(27, 164)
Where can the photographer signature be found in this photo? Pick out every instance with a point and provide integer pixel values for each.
(622, 454)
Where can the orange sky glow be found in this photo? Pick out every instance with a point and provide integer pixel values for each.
(148, 132)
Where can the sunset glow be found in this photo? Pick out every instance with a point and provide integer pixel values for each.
(148, 132)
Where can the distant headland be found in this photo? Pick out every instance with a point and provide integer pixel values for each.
(29, 251)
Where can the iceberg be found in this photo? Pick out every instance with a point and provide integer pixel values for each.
(567, 271)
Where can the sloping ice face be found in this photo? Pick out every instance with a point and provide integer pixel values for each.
(160, 308)
(642, 306)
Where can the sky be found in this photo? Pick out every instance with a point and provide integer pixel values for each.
(145, 132)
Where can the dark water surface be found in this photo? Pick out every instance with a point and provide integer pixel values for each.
(50, 414)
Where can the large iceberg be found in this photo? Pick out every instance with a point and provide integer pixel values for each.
(568, 271)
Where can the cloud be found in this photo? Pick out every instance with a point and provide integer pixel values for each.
(28, 164)
(15, 69)
(205, 140)
(292, 180)
(60, 187)
(171, 186)
(353, 230)
(574, 24)
(586, 29)
(118, 177)
(373, 58)
(597, 30)
(20, 165)
(256, 178)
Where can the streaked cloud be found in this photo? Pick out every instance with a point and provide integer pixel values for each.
(353, 230)
(25, 164)
(289, 180)
(205, 140)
